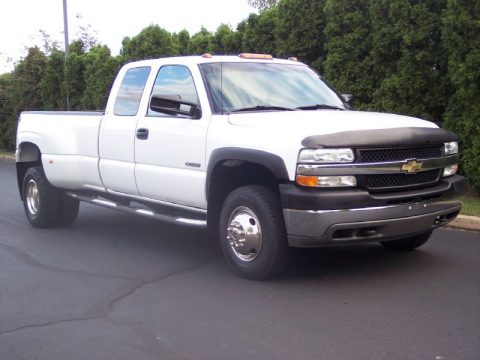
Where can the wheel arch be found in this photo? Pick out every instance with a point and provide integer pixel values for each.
(232, 157)
(28, 154)
(229, 168)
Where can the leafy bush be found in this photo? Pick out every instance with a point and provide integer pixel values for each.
(461, 29)
(416, 57)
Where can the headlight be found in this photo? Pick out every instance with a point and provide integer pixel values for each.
(451, 148)
(326, 156)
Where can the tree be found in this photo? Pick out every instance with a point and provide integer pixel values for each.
(28, 75)
(258, 32)
(74, 82)
(53, 94)
(225, 41)
(348, 44)
(262, 4)
(151, 42)
(417, 57)
(48, 43)
(86, 36)
(461, 26)
(182, 40)
(201, 42)
(7, 112)
(20, 90)
(100, 70)
(300, 29)
(408, 57)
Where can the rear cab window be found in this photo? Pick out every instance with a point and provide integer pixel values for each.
(131, 90)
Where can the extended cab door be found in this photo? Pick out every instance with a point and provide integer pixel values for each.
(117, 136)
(170, 154)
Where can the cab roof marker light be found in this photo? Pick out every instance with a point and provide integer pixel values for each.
(207, 56)
(256, 56)
(292, 58)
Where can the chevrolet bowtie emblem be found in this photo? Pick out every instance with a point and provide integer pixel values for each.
(412, 166)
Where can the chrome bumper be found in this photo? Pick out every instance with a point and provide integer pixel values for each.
(310, 228)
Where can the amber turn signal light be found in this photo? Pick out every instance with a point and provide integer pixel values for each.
(311, 181)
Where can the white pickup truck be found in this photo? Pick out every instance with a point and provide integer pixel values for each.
(261, 150)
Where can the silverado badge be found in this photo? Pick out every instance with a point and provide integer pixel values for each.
(412, 166)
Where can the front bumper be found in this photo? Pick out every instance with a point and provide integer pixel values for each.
(314, 219)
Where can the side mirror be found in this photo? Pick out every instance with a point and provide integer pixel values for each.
(174, 105)
(347, 98)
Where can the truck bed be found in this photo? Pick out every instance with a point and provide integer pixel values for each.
(68, 142)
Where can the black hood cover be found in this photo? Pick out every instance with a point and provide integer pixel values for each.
(406, 136)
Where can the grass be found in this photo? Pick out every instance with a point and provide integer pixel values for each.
(3, 152)
(471, 205)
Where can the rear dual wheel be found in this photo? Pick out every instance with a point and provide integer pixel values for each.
(45, 205)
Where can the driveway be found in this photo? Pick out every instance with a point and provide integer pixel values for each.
(115, 286)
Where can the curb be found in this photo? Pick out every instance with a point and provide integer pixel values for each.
(7, 157)
(465, 222)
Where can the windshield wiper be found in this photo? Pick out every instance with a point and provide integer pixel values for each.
(261, 108)
(319, 107)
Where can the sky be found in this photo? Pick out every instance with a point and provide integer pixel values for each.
(110, 20)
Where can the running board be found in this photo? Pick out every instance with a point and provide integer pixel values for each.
(138, 211)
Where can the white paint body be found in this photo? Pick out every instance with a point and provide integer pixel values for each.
(101, 152)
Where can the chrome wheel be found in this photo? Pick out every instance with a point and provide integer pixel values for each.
(32, 197)
(244, 233)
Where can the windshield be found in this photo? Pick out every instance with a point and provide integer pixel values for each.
(262, 86)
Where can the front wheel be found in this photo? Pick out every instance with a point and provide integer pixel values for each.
(407, 244)
(252, 233)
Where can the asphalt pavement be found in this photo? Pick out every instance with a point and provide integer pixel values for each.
(116, 286)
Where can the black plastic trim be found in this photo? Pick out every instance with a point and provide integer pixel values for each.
(407, 136)
(295, 197)
(272, 162)
(216, 110)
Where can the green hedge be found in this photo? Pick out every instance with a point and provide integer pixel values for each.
(413, 57)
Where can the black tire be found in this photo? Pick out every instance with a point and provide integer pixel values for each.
(259, 207)
(407, 244)
(45, 205)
